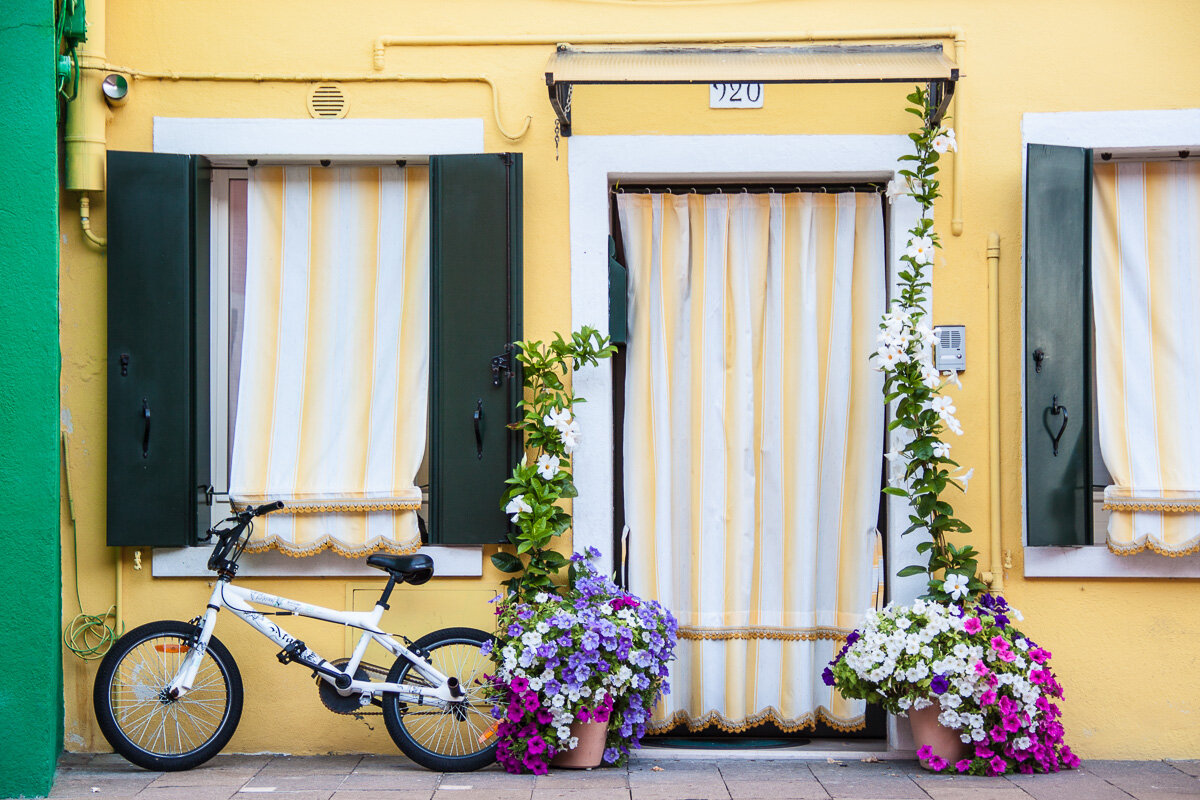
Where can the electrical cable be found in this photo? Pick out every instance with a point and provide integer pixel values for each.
(88, 636)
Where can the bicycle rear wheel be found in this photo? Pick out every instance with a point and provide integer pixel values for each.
(461, 737)
(146, 726)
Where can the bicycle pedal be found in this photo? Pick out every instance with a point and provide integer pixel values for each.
(292, 652)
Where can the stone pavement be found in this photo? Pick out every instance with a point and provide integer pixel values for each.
(238, 777)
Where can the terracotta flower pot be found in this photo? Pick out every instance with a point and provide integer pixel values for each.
(944, 742)
(590, 751)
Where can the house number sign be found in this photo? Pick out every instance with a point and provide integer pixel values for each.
(735, 95)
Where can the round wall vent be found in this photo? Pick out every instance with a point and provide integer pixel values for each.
(327, 101)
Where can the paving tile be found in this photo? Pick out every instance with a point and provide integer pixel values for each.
(204, 777)
(1068, 785)
(191, 793)
(1139, 776)
(478, 793)
(108, 785)
(374, 795)
(766, 770)
(968, 787)
(394, 780)
(389, 764)
(593, 793)
(571, 779)
(857, 781)
(1191, 767)
(313, 781)
(680, 792)
(808, 788)
(296, 765)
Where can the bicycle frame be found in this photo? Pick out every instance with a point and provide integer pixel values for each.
(238, 600)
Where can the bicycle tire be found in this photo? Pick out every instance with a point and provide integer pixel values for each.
(159, 734)
(446, 740)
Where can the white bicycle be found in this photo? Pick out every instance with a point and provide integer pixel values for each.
(168, 696)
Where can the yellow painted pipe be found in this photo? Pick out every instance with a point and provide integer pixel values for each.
(84, 137)
(384, 42)
(954, 33)
(85, 222)
(956, 201)
(996, 579)
(266, 77)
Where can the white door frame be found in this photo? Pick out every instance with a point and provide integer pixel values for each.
(594, 163)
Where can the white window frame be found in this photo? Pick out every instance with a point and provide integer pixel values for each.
(1147, 133)
(231, 143)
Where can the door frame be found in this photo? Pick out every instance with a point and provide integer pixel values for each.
(594, 163)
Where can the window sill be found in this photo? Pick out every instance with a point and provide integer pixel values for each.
(1097, 562)
(190, 562)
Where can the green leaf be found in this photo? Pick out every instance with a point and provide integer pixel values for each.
(893, 490)
(507, 562)
(912, 569)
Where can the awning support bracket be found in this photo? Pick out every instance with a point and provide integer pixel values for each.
(941, 92)
(560, 100)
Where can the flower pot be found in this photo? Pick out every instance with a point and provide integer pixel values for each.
(944, 742)
(590, 750)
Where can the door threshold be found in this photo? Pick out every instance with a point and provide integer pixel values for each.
(808, 750)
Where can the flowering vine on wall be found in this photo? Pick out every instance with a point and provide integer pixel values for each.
(956, 650)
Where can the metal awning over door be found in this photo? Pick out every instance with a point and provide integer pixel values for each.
(873, 63)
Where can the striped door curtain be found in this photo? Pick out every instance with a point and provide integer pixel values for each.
(753, 443)
(332, 400)
(1146, 295)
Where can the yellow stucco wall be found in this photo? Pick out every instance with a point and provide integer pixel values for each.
(1126, 650)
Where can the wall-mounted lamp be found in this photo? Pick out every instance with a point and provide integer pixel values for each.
(115, 88)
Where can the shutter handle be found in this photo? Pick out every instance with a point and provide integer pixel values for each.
(1056, 409)
(1038, 355)
(146, 432)
(478, 428)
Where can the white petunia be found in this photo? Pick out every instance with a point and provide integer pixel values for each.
(944, 406)
(517, 506)
(945, 141)
(570, 437)
(920, 250)
(547, 466)
(557, 418)
(955, 585)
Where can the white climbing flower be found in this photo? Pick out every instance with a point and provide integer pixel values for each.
(547, 466)
(956, 586)
(945, 141)
(920, 250)
(517, 506)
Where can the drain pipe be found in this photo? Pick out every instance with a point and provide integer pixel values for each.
(85, 136)
(995, 576)
(954, 33)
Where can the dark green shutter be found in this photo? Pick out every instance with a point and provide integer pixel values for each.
(475, 313)
(1057, 329)
(158, 426)
(618, 296)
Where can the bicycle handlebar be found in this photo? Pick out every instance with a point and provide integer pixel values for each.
(228, 538)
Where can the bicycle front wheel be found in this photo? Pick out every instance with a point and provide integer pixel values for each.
(148, 727)
(462, 736)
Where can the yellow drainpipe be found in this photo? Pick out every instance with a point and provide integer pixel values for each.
(87, 115)
(955, 33)
(267, 77)
(995, 576)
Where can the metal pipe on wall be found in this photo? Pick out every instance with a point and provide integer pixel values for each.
(378, 56)
(995, 576)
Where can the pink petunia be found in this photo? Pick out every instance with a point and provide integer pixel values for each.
(998, 643)
(987, 698)
(925, 752)
(998, 765)
(1007, 655)
(937, 763)
(963, 765)
(972, 625)
(981, 669)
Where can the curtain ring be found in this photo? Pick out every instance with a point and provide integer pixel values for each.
(720, 190)
(745, 190)
(647, 190)
(824, 190)
(692, 190)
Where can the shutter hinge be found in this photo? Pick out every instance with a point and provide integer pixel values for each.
(507, 158)
(502, 365)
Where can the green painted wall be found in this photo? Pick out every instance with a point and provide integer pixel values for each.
(30, 606)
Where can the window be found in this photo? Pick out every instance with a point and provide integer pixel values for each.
(161, 444)
(1065, 491)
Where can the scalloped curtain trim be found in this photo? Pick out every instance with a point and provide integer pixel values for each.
(716, 719)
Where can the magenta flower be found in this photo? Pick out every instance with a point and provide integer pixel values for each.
(536, 746)
(937, 763)
(998, 765)
(972, 625)
(987, 698)
(963, 765)
(925, 752)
